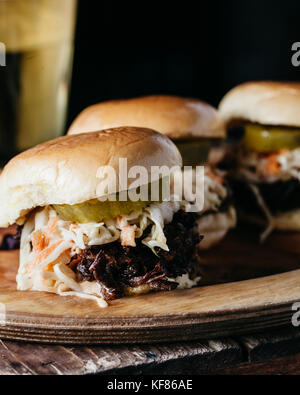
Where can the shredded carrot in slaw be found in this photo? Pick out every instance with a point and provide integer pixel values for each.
(273, 165)
(39, 241)
(215, 177)
(46, 252)
(51, 227)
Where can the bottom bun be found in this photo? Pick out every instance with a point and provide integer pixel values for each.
(215, 226)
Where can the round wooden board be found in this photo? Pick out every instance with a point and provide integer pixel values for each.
(205, 312)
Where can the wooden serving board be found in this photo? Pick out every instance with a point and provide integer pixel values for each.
(210, 311)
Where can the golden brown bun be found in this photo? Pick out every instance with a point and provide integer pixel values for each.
(66, 170)
(265, 102)
(176, 117)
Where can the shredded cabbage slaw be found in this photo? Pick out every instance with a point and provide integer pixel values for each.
(281, 165)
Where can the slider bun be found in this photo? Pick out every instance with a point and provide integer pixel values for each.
(66, 170)
(176, 117)
(265, 102)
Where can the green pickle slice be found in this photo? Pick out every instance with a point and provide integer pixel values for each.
(96, 211)
(261, 138)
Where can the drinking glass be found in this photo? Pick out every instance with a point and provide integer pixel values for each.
(36, 53)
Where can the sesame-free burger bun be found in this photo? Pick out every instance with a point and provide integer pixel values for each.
(264, 102)
(70, 169)
(176, 117)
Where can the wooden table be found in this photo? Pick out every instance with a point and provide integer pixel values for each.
(277, 352)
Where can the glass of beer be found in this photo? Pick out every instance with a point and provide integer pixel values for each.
(36, 53)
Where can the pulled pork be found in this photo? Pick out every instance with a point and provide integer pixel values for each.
(279, 196)
(116, 267)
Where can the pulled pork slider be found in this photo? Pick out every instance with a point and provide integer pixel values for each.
(74, 242)
(194, 126)
(265, 164)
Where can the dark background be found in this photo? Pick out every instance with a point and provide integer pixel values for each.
(198, 49)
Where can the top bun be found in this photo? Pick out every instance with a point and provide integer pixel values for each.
(66, 170)
(175, 117)
(265, 102)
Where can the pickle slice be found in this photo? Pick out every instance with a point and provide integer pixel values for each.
(269, 138)
(194, 152)
(96, 211)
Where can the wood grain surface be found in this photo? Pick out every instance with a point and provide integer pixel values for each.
(205, 312)
(26, 358)
(274, 352)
